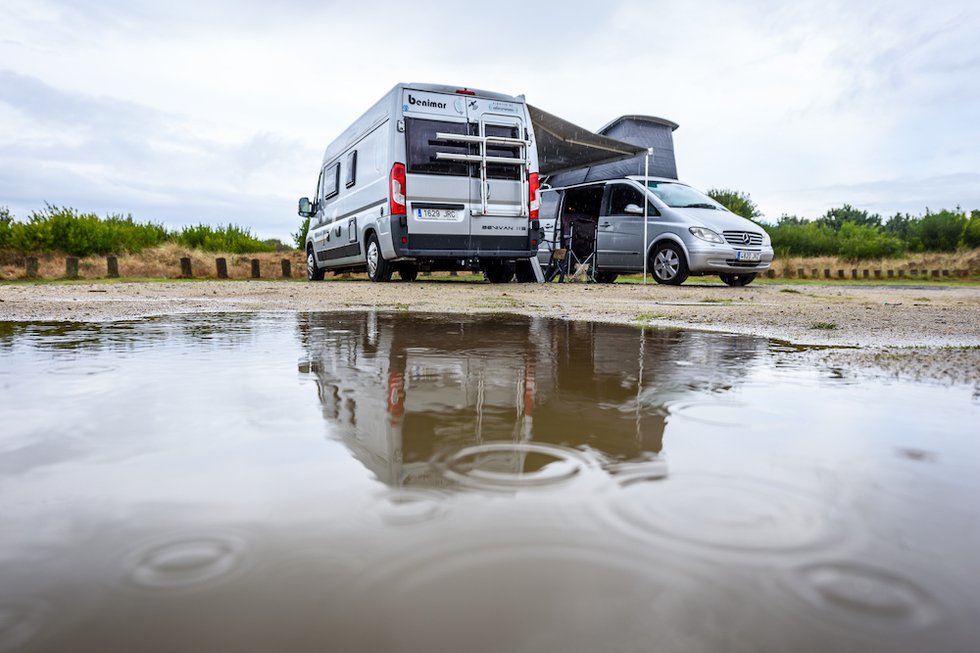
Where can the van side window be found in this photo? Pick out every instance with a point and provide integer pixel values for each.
(622, 195)
(331, 180)
(423, 147)
(549, 206)
(351, 169)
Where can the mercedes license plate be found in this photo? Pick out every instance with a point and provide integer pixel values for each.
(748, 256)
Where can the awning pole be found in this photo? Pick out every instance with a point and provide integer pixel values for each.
(646, 204)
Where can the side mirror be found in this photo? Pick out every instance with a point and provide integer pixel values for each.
(305, 207)
(633, 209)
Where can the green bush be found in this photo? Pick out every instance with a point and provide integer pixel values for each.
(232, 238)
(800, 237)
(80, 234)
(858, 242)
(735, 201)
(837, 218)
(55, 229)
(300, 236)
(6, 220)
(971, 232)
(937, 232)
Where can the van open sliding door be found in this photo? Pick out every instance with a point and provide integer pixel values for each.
(437, 174)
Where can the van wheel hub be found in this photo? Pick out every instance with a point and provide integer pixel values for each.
(666, 264)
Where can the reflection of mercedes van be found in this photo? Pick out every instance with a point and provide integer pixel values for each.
(431, 177)
(688, 233)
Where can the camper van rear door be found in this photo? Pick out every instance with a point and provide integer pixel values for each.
(437, 188)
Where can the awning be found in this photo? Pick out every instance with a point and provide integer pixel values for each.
(563, 146)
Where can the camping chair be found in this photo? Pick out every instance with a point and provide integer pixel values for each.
(580, 244)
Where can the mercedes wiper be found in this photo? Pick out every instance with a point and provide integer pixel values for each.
(701, 205)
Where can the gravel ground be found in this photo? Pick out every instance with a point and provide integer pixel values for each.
(910, 331)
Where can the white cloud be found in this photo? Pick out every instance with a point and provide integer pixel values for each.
(219, 111)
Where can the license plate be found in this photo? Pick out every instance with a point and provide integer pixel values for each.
(748, 256)
(437, 214)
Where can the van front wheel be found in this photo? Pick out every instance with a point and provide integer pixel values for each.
(313, 273)
(668, 264)
(378, 268)
(736, 280)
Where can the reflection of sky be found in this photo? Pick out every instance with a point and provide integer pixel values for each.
(202, 427)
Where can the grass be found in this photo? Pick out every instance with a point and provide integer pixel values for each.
(647, 317)
(824, 326)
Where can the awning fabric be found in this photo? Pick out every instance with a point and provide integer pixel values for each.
(563, 146)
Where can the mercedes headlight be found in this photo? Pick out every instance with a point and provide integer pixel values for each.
(707, 234)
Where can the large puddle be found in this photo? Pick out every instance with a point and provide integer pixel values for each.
(389, 482)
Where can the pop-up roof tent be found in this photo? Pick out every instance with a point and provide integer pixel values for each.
(569, 154)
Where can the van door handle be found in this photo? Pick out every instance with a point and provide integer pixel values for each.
(605, 224)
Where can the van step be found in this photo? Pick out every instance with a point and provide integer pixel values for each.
(536, 266)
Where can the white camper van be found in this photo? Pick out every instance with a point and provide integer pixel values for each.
(429, 178)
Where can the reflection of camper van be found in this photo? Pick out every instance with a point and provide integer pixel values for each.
(594, 216)
(399, 390)
(431, 177)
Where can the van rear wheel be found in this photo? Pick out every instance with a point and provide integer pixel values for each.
(408, 272)
(378, 268)
(606, 277)
(735, 280)
(668, 264)
(313, 273)
(498, 272)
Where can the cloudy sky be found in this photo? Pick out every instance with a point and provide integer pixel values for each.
(219, 111)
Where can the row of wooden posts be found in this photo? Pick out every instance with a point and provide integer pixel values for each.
(913, 273)
(112, 267)
(221, 269)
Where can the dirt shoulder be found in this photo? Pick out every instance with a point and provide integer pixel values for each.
(932, 332)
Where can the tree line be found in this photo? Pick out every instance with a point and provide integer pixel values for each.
(57, 229)
(855, 234)
(847, 232)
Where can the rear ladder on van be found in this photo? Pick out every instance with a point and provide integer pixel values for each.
(482, 139)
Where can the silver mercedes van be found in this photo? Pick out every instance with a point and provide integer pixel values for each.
(598, 226)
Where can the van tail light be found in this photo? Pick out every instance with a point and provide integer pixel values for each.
(397, 183)
(532, 192)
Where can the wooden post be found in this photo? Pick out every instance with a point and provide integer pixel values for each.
(814, 273)
(854, 273)
(865, 274)
(826, 273)
(945, 273)
(453, 273)
(255, 268)
(71, 267)
(935, 273)
(913, 272)
(891, 274)
(840, 274)
(112, 267)
(901, 274)
(287, 268)
(31, 267)
(185, 267)
(799, 273)
(877, 274)
(221, 267)
(770, 273)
